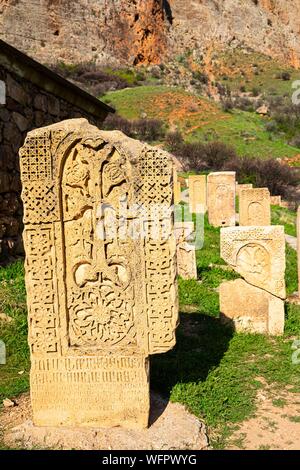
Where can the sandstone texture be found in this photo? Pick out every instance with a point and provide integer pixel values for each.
(101, 291)
(276, 200)
(251, 309)
(148, 32)
(239, 187)
(256, 302)
(197, 193)
(172, 427)
(221, 188)
(258, 255)
(185, 251)
(177, 188)
(254, 207)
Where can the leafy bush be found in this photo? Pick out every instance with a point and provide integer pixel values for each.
(295, 141)
(279, 178)
(227, 105)
(271, 126)
(286, 76)
(143, 129)
(174, 140)
(95, 80)
(200, 156)
(201, 77)
(255, 91)
(243, 103)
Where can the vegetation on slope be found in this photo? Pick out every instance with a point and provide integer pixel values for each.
(200, 119)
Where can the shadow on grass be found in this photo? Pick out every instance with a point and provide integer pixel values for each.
(201, 344)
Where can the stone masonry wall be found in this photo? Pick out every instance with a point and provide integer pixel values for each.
(27, 107)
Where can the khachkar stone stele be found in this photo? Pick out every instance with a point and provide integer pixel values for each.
(221, 198)
(197, 194)
(100, 301)
(255, 207)
(254, 303)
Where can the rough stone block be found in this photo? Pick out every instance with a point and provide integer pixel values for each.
(221, 198)
(197, 193)
(251, 309)
(254, 207)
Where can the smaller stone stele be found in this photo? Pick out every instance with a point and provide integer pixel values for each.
(254, 207)
(258, 255)
(185, 251)
(221, 199)
(239, 187)
(197, 194)
(275, 200)
(251, 309)
(255, 303)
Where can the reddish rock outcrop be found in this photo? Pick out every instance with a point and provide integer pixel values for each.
(147, 32)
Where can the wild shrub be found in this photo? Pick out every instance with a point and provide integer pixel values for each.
(143, 129)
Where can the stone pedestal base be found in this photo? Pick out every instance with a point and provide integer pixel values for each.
(91, 391)
(172, 427)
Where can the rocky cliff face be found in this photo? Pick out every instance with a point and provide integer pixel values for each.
(149, 31)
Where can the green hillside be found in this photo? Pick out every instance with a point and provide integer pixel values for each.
(201, 119)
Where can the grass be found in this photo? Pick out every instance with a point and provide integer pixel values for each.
(201, 120)
(246, 132)
(214, 371)
(14, 334)
(286, 217)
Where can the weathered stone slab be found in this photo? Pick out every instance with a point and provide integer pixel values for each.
(100, 300)
(183, 231)
(251, 309)
(254, 207)
(239, 187)
(221, 198)
(186, 252)
(275, 200)
(197, 194)
(258, 255)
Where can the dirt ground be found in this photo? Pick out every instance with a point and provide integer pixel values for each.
(275, 426)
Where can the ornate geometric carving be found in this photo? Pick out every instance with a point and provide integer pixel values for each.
(36, 159)
(153, 182)
(40, 202)
(258, 254)
(95, 289)
(43, 320)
